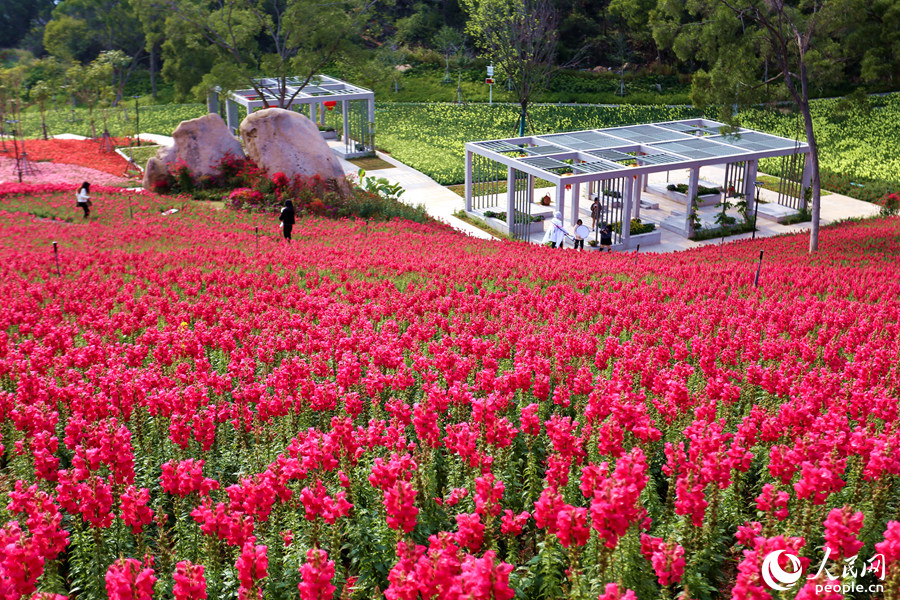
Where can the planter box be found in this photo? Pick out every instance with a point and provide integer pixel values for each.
(645, 239)
(328, 135)
(499, 225)
(706, 200)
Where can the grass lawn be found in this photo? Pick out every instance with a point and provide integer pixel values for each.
(140, 154)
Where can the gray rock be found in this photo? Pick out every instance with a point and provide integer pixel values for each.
(200, 143)
(279, 140)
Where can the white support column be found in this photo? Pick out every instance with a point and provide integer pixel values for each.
(750, 184)
(576, 198)
(312, 112)
(626, 211)
(561, 200)
(510, 198)
(468, 181)
(646, 181)
(345, 113)
(371, 140)
(231, 115)
(693, 185)
(637, 183)
(807, 177)
(530, 189)
(321, 108)
(212, 102)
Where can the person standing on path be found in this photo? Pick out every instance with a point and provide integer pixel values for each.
(287, 218)
(556, 233)
(83, 198)
(606, 236)
(581, 234)
(595, 213)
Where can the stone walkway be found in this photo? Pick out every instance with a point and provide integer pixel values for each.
(439, 202)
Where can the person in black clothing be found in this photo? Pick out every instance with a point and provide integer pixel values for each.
(287, 219)
(606, 236)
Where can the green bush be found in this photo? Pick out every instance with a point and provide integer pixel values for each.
(702, 190)
(520, 217)
(637, 227)
(717, 232)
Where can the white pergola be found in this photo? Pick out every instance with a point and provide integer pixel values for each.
(629, 153)
(358, 129)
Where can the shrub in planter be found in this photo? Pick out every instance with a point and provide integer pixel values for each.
(520, 217)
(702, 190)
(637, 227)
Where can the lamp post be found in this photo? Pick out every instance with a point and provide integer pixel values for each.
(756, 209)
(137, 119)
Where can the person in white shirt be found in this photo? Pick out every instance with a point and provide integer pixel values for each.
(83, 198)
(581, 233)
(556, 233)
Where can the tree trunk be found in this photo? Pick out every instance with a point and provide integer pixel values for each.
(153, 70)
(522, 119)
(814, 157)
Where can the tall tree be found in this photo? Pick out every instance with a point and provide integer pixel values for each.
(448, 41)
(90, 85)
(98, 27)
(520, 37)
(152, 15)
(274, 38)
(18, 16)
(737, 40)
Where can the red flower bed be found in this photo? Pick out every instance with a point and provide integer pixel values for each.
(189, 409)
(85, 153)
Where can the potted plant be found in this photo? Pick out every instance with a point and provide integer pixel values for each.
(593, 243)
(545, 201)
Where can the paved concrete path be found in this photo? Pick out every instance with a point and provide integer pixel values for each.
(439, 202)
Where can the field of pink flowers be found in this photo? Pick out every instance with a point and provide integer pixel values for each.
(191, 409)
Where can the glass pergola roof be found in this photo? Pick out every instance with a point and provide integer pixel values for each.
(319, 88)
(605, 153)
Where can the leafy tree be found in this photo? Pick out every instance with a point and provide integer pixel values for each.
(736, 42)
(120, 64)
(41, 91)
(521, 37)
(152, 15)
(112, 24)
(18, 17)
(68, 38)
(90, 85)
(449, 41)
(275, 38)
(420, 26)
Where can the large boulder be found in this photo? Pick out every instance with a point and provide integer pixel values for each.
(279, 140)
(199, 143)
(155, 172)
